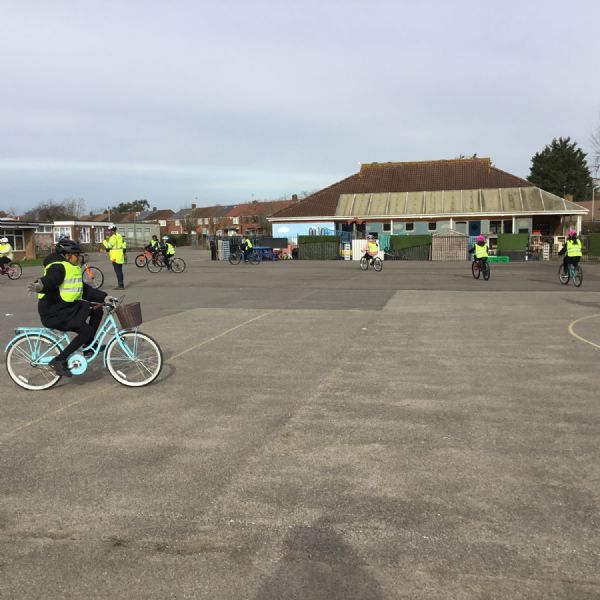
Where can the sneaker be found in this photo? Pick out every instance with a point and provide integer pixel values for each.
(60, 367)
(119, 287)
(90, 351)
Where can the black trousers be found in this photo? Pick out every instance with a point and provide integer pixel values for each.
(570, 260)
(4, 260)
(119, 273)
(84, 328)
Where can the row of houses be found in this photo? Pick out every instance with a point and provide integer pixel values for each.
(30, 239)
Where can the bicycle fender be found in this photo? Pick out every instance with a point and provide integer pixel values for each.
(19, 336)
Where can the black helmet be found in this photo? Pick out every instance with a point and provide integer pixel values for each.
(65, 246)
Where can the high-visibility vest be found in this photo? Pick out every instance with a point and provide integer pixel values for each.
(170, 251)
(71, 289)
(6, 250)
(154, 244)
(481, 251)
(574, 248)
(372, 248)
(248, 243)
(116, 244)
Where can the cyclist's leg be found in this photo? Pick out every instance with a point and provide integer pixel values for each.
(168, 262)
(79, 325)
(4, 262)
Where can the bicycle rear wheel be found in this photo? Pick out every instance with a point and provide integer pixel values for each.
(178, 265)
(21, 358)
(141, 260)
(377, 264)
(563, 275)
(235, 258)
(255, 258)
(14, 271)
(364, 263)
(485, 267)
(475, 269)
(578, 277)
(93, 276)
(155, 265)
(135, 359)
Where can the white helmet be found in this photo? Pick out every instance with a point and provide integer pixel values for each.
(4, 240)
(165, 237)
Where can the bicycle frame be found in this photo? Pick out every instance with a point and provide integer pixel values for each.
(108, 327)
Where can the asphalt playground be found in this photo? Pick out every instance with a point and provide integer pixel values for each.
(317, 432)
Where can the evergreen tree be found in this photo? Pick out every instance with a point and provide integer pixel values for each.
(561, 168)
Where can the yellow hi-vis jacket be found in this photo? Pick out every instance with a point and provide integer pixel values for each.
(372, 248)
(115, 244)
(6, 250)
(71, 289)
(574, 248)
(481, 251)
(248, 244)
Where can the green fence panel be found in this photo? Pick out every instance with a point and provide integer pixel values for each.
(594, 244)
(402, 242)
(318, 239)
(512, 242)
(319, 250)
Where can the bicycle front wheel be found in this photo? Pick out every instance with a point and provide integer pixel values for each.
(563, 275)
(255, 258)
(475, 269)
(93, 276)
(235, 258)
(134, 359)
(364, 263)
(155, 266)
(14, 271)
(578, 277)
(377, 264)
(141, 260)
(485, 268)
(21, 362)
(178, 265)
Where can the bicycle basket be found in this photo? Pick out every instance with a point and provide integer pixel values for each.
(130, 315)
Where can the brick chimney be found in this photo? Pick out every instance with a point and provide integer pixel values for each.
(294, 197)
(193, 206)
(154, 208)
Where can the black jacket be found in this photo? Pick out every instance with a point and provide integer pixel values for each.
(54, 311)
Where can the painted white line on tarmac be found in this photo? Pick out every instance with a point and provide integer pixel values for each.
(216, 337)
(572, 331)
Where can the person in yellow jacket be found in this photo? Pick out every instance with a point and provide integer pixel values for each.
(117, 247)
(372, 249)
(246, 247)
(571, 250)
(6, 253)
(64, 302)
(168, 251)
(480, 249)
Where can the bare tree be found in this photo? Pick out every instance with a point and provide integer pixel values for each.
(69, 208)
(595, 163)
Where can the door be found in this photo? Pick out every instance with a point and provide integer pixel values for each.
(474, 228)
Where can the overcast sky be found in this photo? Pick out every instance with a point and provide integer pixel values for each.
(225, 101)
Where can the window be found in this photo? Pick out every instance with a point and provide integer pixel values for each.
(162, 223)
(61, 232)
(410, 227)
(177, 222)
(44, 229)
(15, 238)
(387, 226)
(99, 234)
(495, 227)
(236, 220)
(508, 226)
(84, 235)
(432, 226)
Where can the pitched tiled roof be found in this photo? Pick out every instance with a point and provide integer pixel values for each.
(258, 208)
(435, 175)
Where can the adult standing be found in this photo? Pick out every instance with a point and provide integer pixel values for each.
(116, 246)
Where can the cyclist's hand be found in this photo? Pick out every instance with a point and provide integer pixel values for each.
(35, 286)
(111, 301)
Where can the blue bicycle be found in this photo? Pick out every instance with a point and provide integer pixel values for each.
(133, 358)
(574, 274)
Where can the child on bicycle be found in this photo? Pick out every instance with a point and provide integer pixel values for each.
(6, 253)
(168, 251)
(571, 250)
(372, 249)
(480, 249)
(154, 246)
(64, 301)
(246, 247)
